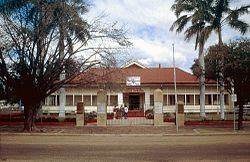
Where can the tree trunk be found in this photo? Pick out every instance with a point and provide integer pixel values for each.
(62, 75)
(221, 77)
(202, 81)
(28, 118)
(240, 116)
(222, 100)
(30, 112)
(220, 36)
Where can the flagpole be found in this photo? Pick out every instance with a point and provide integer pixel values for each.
(175, 94)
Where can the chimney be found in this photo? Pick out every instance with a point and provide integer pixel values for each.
(159, 66)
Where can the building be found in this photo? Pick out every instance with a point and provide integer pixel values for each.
(133, 85)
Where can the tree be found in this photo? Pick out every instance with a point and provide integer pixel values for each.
(40, 49)
(198, 13)
(214, 14)
(236, 69)
(224, 15)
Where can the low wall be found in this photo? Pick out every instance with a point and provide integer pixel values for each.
(166, 109)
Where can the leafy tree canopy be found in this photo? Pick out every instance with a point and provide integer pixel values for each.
(236, 56)
(236, 69)
(42, 39)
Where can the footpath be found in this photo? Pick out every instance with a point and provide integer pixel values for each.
(170, 130)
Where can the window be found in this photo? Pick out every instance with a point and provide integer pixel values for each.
(94, 100)
(51, 100)
(151, 100)
(197, 99)
(113, 100)
(78, 98)
(69, 100)
(165, 100)
(208, 100)
(181, 98)
(190, 99)
(87, 100)
(226, 99)
(171, 99)
(215, 100)
(58, 100)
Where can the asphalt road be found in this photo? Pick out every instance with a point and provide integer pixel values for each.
(125, 148)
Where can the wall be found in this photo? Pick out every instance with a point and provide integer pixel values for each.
(182, 92)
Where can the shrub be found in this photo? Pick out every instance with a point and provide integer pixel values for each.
(149, 114)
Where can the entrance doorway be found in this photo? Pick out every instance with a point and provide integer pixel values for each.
(134, 101)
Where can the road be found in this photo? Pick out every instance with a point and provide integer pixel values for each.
(125, 148)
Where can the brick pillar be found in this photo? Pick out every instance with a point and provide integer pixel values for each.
(180, 114)
(102, 108)
(158, 107)
(62, 98)
(80, 114)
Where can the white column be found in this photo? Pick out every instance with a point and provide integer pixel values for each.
(62, 98)
(147, 100)
(185, 99)
(167, 100)
(56, 100)
(194, 99)
(91, 102)
(120, 99)
(108, 99)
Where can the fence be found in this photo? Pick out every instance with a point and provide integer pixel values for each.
(211, 114)
(246, 114)
(13, 114)
(132, 118)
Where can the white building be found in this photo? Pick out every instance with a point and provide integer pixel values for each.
(133, 86)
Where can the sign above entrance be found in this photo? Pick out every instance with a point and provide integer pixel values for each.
(133, 81)
(133, 90)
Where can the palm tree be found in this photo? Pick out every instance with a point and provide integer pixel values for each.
(224, 15)
(198, 14)
(214, 14)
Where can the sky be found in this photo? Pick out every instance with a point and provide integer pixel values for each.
(148, 22)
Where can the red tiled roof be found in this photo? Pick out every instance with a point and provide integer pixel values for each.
(162, 75)
(147, 76)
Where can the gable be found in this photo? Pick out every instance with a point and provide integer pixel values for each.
(134, 65)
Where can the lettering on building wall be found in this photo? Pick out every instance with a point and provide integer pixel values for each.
(133, 81)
